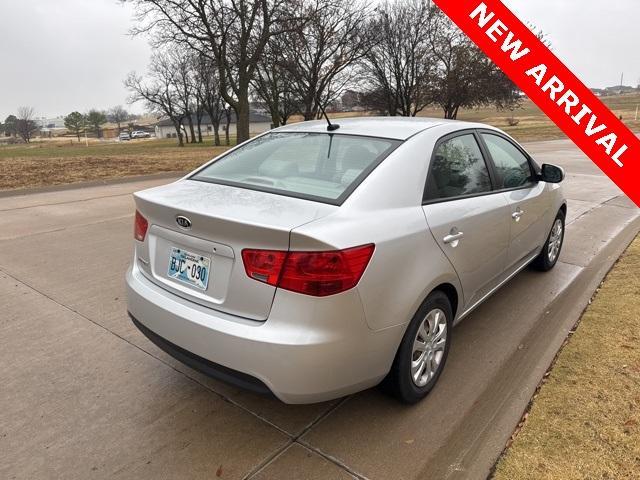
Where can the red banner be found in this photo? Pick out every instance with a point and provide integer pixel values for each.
(551, 85)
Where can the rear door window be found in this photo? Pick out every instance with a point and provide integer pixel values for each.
(458, 169)
(323, 167)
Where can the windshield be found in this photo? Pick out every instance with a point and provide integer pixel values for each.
(314, 166)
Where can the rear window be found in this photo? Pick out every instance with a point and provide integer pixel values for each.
(314, 166)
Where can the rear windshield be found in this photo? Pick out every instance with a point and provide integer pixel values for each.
(315, 166)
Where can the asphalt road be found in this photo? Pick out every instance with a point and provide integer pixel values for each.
(84, 395)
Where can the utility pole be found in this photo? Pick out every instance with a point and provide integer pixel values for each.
(637, 107)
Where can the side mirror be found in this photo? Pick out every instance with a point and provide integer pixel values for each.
(551, 174)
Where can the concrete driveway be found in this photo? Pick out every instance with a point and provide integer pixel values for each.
(84, 395)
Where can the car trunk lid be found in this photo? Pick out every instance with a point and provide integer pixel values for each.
(223, 221)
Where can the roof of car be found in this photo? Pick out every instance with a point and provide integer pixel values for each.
(399, 128)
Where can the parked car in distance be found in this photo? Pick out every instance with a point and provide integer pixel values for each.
(313, 262)
(124, 136)
(140, 134)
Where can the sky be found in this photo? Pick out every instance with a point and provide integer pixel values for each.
(64, 55)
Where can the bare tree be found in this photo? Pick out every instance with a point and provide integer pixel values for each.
(227, 116)
(541, 34)
(118, 115)
(399, 60)
(199, 112)
(419, 57)
(160, 91)
(234, 33)
(466, 77)
(181, 61)
(274, 85)
(320, 53)
(26, 125)
(208, 93)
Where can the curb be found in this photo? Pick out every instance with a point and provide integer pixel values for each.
(525, 369)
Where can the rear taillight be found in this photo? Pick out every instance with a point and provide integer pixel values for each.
(140, 226)
(312, 273)
(263, 265)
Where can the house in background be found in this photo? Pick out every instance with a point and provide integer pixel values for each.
(51, 127)
(259, 123)
(620, 90)
(51, 123)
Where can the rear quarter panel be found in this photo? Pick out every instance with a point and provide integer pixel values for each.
(386, 210)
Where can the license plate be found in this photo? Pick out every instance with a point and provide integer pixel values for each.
(190, 268)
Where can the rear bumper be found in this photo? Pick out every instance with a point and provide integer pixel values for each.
(309, 350)
(203, 365)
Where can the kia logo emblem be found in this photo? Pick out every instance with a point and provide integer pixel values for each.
(183, 222)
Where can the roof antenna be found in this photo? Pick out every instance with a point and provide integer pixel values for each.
(331, 126)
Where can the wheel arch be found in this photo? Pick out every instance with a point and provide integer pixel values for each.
(452, 294)
(563, 208)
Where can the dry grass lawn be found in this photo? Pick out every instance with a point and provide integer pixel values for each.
(585, 421)
(53, 163)
(534, 125)
(64, 160)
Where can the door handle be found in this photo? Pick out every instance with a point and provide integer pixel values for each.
(453, 237)
(517, 215)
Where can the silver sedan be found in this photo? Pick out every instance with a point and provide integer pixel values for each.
(314, 262)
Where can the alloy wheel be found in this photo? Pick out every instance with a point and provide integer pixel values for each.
(555, 241)
(428, 347)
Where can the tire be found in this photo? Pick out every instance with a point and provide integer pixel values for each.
(401, 382)
(553, 246)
